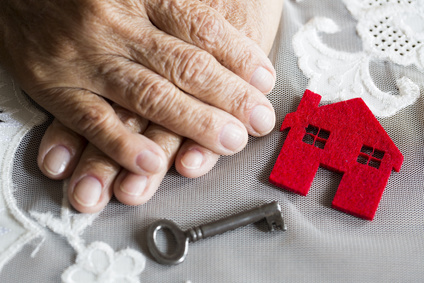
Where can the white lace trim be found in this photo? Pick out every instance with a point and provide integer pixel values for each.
(18, 117)
(6, 122)
(69, 225)
(3, 230)
(97, 262)
(391, 30)
(338, 75)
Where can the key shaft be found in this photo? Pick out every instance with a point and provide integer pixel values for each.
(270, 212)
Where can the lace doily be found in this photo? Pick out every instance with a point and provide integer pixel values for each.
(390, 30)
(17, 117)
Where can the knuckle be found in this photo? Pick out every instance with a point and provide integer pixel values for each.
(131, 120)
(207, 27)
(209, 123)
(196, 68)
(242, 101)
(99, 162)
(92, 121)
(117, 146)
(155, 99)
(167, 140)
(246, 57)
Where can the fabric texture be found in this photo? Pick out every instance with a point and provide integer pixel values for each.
(325, 46)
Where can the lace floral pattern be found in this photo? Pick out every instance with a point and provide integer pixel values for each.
(17, 118)
(99, 263)
(96, 262)
(390, 30)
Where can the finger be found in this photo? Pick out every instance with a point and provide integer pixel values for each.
(193, 160)
(135, 189)
(90, 187)
(198, 73)
(202, 26)
(60, 150)
(158, 100)
(95, 119)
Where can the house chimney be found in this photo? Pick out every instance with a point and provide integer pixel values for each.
(310, 100)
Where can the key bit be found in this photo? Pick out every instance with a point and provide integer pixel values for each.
(271, 212)
(275, 219)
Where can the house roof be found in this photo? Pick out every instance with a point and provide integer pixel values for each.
(350, 119)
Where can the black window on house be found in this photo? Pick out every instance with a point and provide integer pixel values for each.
(316, 136)
(370, 156)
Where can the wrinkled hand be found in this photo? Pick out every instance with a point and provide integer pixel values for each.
(95, 176)
(185, 82)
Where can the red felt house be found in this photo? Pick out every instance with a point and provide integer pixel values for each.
(344, 137)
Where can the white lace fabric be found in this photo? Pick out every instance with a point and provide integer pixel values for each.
(339, 49)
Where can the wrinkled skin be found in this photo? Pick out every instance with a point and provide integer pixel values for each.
(147, 83)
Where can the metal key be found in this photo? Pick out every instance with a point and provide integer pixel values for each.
(271, 212)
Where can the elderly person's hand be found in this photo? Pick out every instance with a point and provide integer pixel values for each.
(179, 64)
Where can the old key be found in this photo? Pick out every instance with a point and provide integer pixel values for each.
(271, 212)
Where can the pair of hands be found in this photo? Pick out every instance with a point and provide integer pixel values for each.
(138, 85)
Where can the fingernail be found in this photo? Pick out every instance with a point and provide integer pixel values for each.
(149, 161)
(87, 191)
(56, 160)
(262, 119)
(134, 185)
(263, 80)
(192, 159)
(232, 137)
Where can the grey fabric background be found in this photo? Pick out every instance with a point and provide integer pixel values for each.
(320, 245)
